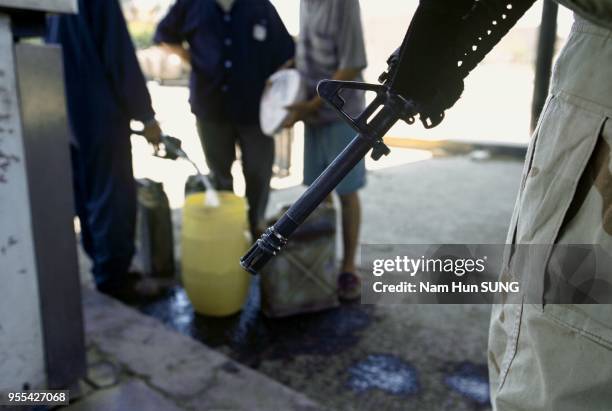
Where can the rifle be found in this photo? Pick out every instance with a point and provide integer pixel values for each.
(445, 41)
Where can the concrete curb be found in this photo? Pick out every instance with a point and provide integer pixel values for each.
(460, 147)
(183, 370)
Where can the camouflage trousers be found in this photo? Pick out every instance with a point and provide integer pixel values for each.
(552, 356)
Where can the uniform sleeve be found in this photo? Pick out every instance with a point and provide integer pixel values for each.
(171, 28)
(351, 45)
(118, 57)
(284, 45)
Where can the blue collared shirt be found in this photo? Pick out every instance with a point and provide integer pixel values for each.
(232, 54)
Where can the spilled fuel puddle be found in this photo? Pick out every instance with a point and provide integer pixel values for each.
(326, 341)
(384, 372)
(325, 333)
(469, 380)
(251, 336)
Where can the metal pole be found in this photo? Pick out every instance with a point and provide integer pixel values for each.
(49, 176)
(21, 342)
(544, 59)
(42, 342)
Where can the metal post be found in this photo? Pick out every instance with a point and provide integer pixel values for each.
(544, 59)
(41, 326)
(22, 358)
(47, 160)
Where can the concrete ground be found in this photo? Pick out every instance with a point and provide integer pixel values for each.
(135, 363)
(360, 357)
(355, 357)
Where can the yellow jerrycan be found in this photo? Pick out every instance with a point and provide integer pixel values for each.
(213, 240)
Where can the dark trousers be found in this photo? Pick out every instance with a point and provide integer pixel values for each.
(105, 197)
(219, 141)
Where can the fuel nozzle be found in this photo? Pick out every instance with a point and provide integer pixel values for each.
(170, 148)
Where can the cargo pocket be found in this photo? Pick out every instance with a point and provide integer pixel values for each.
(589, 221)
(591, 321)
(562, 147)
(511, 238)
(506, 318)
(566, 140)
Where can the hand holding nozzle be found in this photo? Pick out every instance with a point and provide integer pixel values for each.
(152, 132)
(171, 148)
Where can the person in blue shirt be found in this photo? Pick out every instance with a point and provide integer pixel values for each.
(233, 48)
(105, 90)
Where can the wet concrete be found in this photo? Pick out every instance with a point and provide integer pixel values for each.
(358, 357)
(386, 373)
(251, 337)
(354, 357)
(471, 381)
